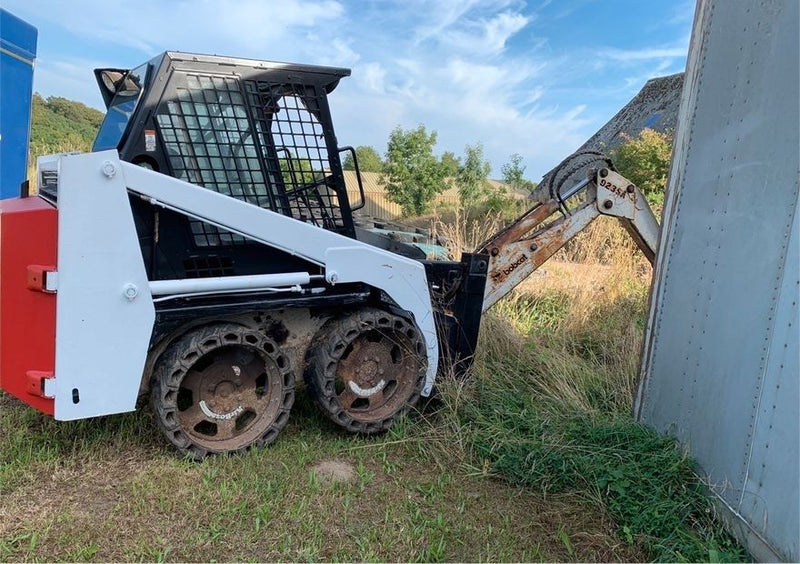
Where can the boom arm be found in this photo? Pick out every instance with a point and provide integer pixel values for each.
(526, 244)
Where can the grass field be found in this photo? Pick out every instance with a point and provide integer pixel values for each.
(535, 457)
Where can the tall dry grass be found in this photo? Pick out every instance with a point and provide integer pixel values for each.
(575, 327)
(464, 230)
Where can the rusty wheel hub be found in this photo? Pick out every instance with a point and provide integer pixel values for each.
(376, 375)
(225, 400)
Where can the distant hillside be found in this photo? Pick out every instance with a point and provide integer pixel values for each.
(60, 125)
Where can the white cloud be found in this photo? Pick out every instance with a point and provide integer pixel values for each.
(485, 38)
(499, 29)
(645, 54)
(340, 54)
(150, 26)
(371, 77)
(434, 17)
(461, 67)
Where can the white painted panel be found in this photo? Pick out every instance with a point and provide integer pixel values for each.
(102, 336)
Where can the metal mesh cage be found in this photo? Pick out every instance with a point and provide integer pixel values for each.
(296, 154)
(210, 141)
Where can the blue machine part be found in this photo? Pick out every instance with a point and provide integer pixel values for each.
(17, 53)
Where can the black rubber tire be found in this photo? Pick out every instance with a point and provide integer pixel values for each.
(334, 341)
(185, 352)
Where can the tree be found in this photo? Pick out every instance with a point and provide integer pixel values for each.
(645, 160)
(413, 174)
(472, 175)
(368, 160)
(451, 163)
(513, 171)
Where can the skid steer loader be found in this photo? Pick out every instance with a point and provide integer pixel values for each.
(205, 253)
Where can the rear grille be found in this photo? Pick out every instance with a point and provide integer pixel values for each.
(48, 185)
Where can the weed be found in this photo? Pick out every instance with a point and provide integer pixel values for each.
(564, 537)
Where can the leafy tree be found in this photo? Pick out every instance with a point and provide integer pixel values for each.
(513, 174)
(368, 160)
(413, 174)
(645, 160)
(472, 175)
(451, 163)
(498, 199)
(513, 171)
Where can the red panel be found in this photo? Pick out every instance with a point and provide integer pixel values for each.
(28, 237)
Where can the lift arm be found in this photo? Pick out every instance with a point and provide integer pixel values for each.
(517, 251)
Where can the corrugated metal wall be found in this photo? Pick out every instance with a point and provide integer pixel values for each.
(721, 369)
(379, 205)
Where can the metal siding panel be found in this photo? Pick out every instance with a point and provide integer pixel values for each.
(733, 194)
(774, 468)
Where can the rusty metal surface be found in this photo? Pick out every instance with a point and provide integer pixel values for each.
(365, 368)
(512, 262)
(526, 223)
(517, 251)
(377, 376)
(231, 398)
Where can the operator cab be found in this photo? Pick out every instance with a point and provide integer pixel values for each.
(253, 130)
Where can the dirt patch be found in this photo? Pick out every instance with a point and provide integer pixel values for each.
(87, 489)
(334, 471)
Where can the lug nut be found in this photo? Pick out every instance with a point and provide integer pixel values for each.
(603, 172)
(495, 251)
(608, 204)
(631, 188)
(533, 247)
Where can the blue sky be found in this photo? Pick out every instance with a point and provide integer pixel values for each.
(536, 78)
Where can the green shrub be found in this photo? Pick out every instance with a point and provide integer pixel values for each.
(645, 161)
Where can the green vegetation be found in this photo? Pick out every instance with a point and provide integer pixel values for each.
(472, 176)
(451, 163)
(59, 125)
(109, 489)
(645, 160)
(368, 160)
(413, 174)
(549, 404)
(513, 174)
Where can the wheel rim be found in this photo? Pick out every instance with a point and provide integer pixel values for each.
(229, 397)
(376, 375)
